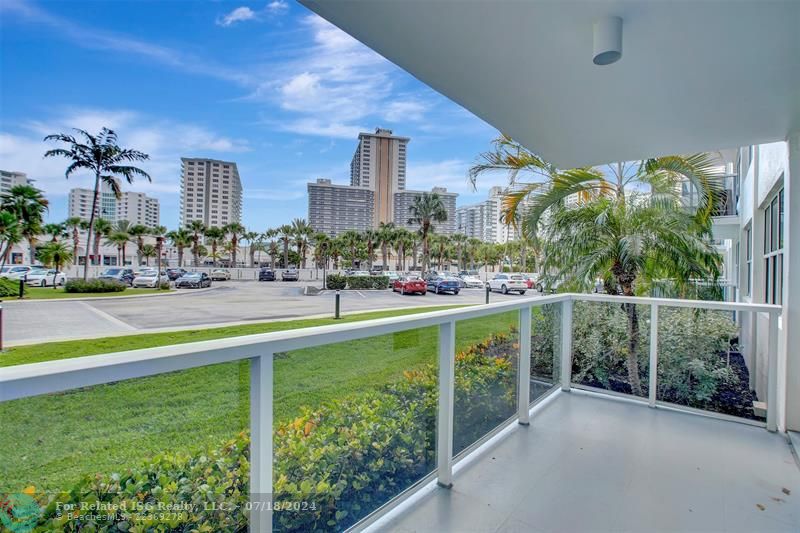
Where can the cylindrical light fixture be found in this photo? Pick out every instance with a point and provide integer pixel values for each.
(607, 40)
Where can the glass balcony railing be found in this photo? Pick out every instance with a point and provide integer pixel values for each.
(329, 428)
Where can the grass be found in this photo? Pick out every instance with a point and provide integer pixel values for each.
(48, 293)
(50, 441)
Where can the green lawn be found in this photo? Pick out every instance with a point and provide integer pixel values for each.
(48, 293)
(50, 441)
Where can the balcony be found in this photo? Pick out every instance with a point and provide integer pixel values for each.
(521, 415)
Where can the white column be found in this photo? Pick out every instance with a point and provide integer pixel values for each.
(444, 441)
(261, 443)
(524, 367)
(789, 359)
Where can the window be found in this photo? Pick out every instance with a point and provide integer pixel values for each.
(773, 249)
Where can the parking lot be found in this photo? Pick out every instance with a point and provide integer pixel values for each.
(225, 303)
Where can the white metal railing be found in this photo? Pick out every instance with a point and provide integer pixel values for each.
(36, 379)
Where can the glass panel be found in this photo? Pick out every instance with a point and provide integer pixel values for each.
(766, 229)
(355, 425)
(545, 348)
(166, 450)
(709, 360)
(774, 225)
(487, 354)
(610, 346)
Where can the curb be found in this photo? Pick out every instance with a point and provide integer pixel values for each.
(171, 292)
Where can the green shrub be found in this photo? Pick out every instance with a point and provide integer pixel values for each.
(336, 282)
(164, 286)
(367, 282)
(9, 288)
(94, 285)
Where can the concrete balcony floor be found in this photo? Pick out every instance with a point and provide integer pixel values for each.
(588, 463)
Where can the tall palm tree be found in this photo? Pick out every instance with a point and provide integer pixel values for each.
(102, 229)
(29, 205)
(385, 238)
(252, 238)
(74, 226)
(120, 239)
(369, 237)
(235, 230)
(100, 155)
(55, 254)
(181, 239)
(9, 234)
(216, 238)
(285, 235)
(273, 252)
(159, 232)
(351, 239)
(426, 209)
(138, 232)
(198, 229)
(301, 231)
(459, 240)
(55, 230)
(147, 252)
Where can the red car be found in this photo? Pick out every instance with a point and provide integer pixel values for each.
(410, 285)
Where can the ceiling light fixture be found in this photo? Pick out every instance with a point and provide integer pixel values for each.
(607, 40)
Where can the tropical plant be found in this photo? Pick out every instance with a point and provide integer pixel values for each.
(55, 254)
(181, 239)
(285, 235)
(369, 237)
(235, 230)
(100, 155)
(159, 232)
(301, 231)
(55, 230)
(147, 252)
(74, 225)
(384, 238)
(9, 233)
(351, 240)
(138, 232)
(198, 229)
(426, 209)
(253, 239)
(215, 237)
(29, 205)
(102, 229)
(120, 239)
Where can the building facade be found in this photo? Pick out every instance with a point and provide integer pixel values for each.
(379, 164)
(334, 209)
(10, 179)
(138, 208)
(482, 220)
(404, 199)
(211, 192)
(135, 207)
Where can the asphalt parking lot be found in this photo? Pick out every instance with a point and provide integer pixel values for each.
(225, 303)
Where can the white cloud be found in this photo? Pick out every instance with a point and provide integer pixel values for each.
(237, 15)
(450, 173)
(405, 110)
(277, 7)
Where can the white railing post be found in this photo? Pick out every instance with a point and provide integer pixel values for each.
(261, 388)
(653, 370)
(524, 367)
(444, 441)
(566, 344)
(772, 373)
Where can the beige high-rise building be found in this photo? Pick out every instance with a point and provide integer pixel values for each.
(211, 192)
(138, 208)
(379, 164)
(10, 179)
(135, 207)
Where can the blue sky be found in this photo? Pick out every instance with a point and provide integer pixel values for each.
(266, 84)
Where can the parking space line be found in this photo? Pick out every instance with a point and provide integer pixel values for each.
(109, 317)
(359, 293)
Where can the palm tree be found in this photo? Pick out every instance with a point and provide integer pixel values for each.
(369, 237)
(385, 238)
(180, 239)
(138, 231)
(100, 155)
(198, 229)
(285, 234)
(215, 237)
(74, 225)
(159, 232)
(55, 230)
(301, 231)
(120, 239)
(55, 254)
(147, 251)
(351, 239)
(9, 234)
(273, 252)
(235, 229)
(29, 205)
(425, 210)
(102, 228)
(460, 242)
(253, 241)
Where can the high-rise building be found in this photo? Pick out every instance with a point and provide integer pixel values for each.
(211, 192)
(135, 207)
(482, 220)
(379, 164)
(404, 199)
(10, 179)
(333, 209)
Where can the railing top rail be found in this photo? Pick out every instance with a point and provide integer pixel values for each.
(67, 374)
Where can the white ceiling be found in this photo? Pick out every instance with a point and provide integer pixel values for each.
(694, 75)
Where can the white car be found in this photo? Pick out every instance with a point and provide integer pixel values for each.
(506, 283)
(16, 272)
(220, 274)
(41, 277)
(472, 282)
(391, 274)
(150, 278)
(360, 273)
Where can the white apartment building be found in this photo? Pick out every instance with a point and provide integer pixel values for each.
(482, 220)
(404, 199)
(135, 207)
(334, 209)
(10, 179)
(211, 192)
(379, 164)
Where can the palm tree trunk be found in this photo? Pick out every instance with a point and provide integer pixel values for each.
(633, 349)
(91, 225)
(75, 242)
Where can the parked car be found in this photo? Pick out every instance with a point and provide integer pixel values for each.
(359, 273)
(506, 283)
(150, 278)
(290, 275)
(410, 285)
(220, 274)
(472, 282)
(17, 272)
(265, 274)
(193, 280)
(41, 277)
(531, 280)
(440, 284)
(175, 273)
(548, 285)
(123, 275)
(463, 273)
(393, 275)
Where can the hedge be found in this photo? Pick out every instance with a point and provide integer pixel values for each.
(344, 459)
(10, 288)
(340, 282)
(336, 282)
(94, 285)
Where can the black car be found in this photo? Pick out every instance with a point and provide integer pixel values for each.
(123, 275)
(193, 280)
(175, 273)
(266, 274)
(290, 275)
(440, 284)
